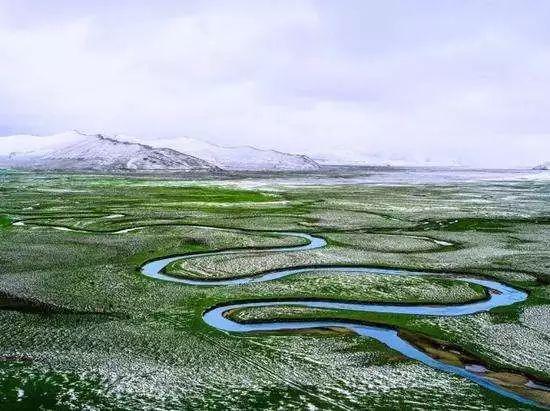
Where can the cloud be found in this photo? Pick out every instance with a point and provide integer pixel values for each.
(444, 80)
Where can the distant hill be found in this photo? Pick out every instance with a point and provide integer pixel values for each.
(236, 158)
(80, 151)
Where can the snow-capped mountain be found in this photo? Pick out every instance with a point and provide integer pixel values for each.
(235, 158)
(79, 151)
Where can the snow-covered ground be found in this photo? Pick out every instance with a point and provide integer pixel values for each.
(359, 158)
(390, 177)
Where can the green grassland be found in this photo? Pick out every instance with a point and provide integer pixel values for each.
(81, 327)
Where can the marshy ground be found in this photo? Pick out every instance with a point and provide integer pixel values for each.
(81, 326)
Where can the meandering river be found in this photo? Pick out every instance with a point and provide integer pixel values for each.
(499, 295)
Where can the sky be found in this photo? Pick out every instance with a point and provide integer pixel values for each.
(448, 81)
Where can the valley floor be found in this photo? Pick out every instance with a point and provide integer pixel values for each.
(81, 326)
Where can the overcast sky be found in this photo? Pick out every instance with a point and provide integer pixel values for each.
(467, 80)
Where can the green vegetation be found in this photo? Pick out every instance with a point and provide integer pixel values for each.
(5, 221)
(112, 338)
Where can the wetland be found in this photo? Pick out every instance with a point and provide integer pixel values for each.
(157, 292)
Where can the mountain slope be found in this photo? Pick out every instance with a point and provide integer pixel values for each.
(78, 151)
(236, 158)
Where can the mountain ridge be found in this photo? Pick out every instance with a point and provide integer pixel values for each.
(77, 150)
(246, 157)
(80, 151)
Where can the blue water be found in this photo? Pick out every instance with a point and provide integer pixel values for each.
(154, 268)
(500, 295)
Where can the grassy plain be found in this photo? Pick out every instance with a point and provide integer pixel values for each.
(81, 327)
